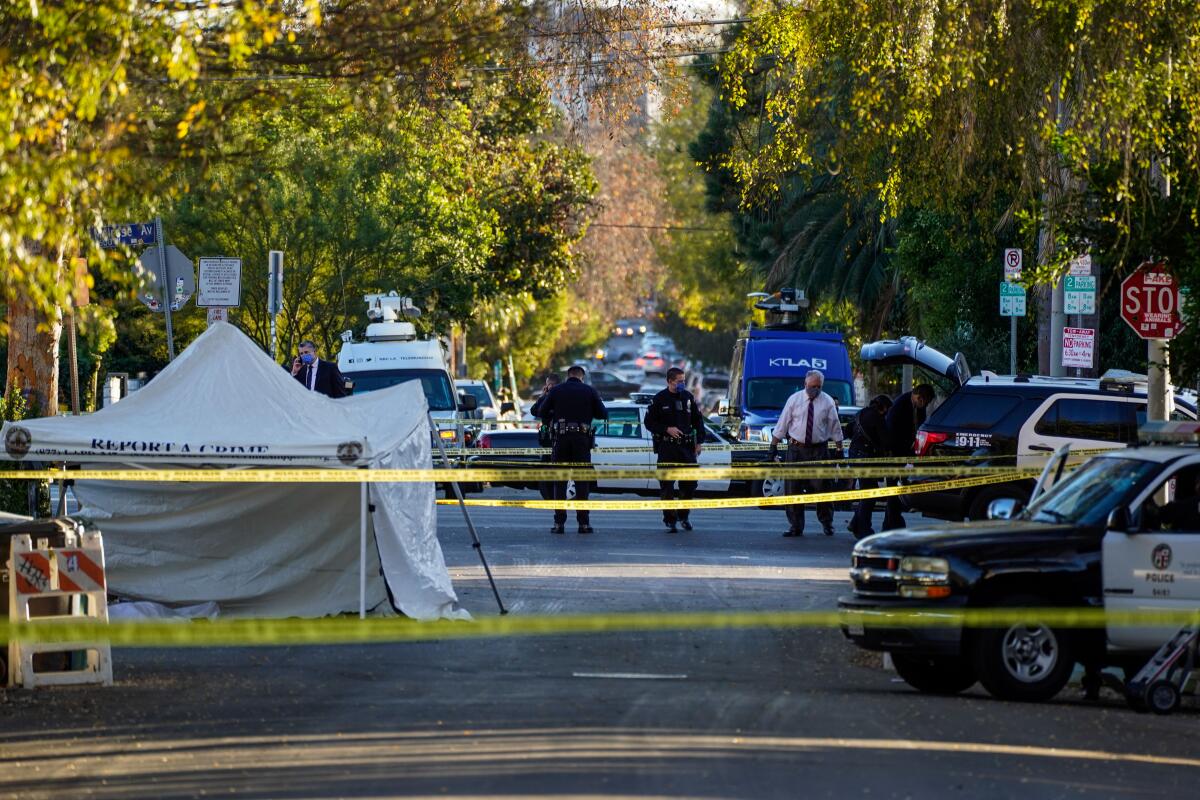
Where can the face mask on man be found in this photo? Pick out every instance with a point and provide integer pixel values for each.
(812, 391)
(307, 358)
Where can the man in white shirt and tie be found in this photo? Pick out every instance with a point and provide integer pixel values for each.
(808, 422)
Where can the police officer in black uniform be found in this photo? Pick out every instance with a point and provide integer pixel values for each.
(545, 434)
(675, 422)
(569, 409)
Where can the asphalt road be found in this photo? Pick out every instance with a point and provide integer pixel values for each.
(723, 713)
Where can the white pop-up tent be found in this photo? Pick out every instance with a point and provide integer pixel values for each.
(256, 549)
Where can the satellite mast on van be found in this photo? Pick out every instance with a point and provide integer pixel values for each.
(783, 308)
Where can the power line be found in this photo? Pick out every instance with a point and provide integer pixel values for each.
(656, 227)
(698, 23)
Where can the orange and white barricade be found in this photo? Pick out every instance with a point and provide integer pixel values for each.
(75, 572)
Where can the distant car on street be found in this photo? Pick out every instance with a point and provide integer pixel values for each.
(610, 385)
(482, 392)
(651, 361)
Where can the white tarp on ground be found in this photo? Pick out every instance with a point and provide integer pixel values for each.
(275, 549)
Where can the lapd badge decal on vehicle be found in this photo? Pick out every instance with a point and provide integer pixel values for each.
(349, 452)
(17, 441)
(1160, 557)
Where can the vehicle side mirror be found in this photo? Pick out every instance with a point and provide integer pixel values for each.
(723, 408)
(1003, 508)
(1119, 520)
(507, 407)
(467, 402)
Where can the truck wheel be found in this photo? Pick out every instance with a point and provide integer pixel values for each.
(1162, 697)
(1028, 662)
(771, 487)
(979, 505)
(935, 674)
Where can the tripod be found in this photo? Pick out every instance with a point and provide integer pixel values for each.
(478, 545)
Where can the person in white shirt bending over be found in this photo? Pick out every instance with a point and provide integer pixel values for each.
(808, 422)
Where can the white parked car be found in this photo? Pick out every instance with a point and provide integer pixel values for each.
(482, 392)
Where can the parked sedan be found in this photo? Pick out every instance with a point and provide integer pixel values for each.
(609, 385)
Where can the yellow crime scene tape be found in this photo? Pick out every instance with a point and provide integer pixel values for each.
(352, 630)
(737, 502)
(478, 475)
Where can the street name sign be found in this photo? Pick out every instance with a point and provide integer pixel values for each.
(1079, 294)
(1150, 302)
(220, 282)
(1012, 265)
(127, 233)
(1079, 346)
(1012, 299)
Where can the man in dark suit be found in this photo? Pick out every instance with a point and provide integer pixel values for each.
(903, 418)
(317, 375)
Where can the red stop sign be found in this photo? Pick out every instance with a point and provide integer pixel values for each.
(1150, 302)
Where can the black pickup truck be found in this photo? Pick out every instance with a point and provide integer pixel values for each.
(1096, 540)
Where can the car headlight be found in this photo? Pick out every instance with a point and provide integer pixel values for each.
(924, 578)
(920, 565)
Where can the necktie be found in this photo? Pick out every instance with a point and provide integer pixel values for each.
(308, 377)
(808, 423)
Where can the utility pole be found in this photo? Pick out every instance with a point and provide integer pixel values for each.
(274, 293)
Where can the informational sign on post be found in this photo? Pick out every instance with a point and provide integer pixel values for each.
(1079, 294)
(1081, 265)
(1012, 264)
(220, 282)
(1079, 347)
(217, 314)
(1012, 300)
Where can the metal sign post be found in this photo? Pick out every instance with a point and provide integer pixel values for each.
(164, 285)
(1012, 302)
(274, 292)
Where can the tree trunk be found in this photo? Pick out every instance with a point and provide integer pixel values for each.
(33, 356)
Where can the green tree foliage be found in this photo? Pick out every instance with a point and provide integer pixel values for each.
(702, 303)
(100, 95)
(462, 207)
(810, 233)
(1066, 115)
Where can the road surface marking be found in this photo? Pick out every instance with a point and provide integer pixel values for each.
(631, 676)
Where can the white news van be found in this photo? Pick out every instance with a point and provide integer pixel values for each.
(392, 354)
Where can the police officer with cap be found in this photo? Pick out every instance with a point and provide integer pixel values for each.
(675, 422)
(569, 409)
